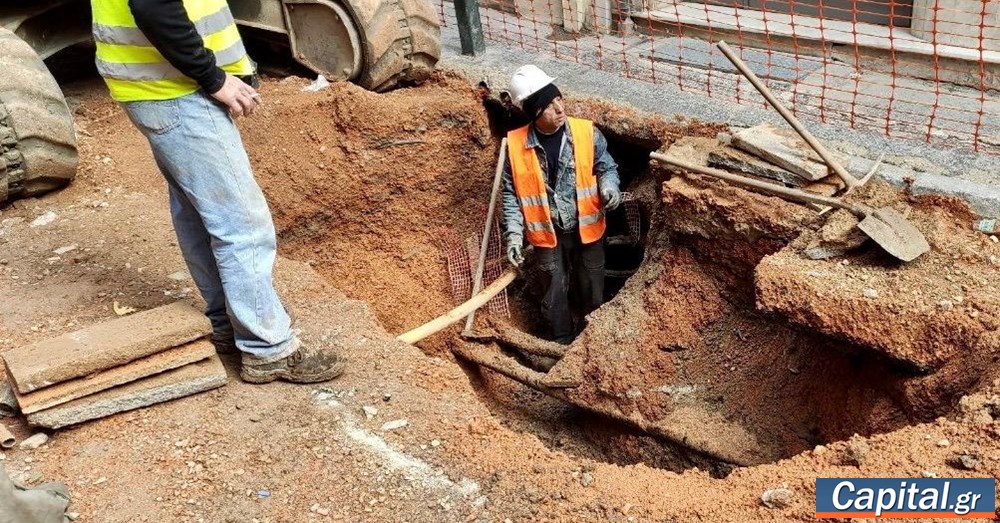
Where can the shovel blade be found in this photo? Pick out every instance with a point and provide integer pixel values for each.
(894, 233)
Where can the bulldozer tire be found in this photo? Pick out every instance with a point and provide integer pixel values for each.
(401, 41)
(37, 139)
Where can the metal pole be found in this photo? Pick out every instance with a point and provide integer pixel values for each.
(470, 27)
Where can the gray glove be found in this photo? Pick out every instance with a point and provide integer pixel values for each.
(612, 198)
(514, 252)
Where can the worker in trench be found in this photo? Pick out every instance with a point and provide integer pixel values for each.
(558, 182)
(180, 71)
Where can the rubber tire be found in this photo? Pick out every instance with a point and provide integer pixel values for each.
(37, 138)
(401, 40)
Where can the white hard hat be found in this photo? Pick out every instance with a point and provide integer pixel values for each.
(527, 80)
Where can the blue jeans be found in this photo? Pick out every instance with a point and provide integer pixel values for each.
(221, 218)
(570, 257)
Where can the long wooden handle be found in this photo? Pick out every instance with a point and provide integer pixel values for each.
(477, 281)
(849, 180)
(455, 315)
(794, 194)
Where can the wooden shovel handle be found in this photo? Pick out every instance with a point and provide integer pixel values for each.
(455, 315)
(849, 180)
(794, 194)
(477, 280)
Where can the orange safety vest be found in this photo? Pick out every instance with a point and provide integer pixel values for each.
(529, 185)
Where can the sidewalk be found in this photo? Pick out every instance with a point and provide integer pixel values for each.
(952, 169)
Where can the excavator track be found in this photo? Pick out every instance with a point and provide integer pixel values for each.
(37, 138)
(402, 43)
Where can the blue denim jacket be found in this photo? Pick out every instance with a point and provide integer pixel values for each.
(562, 199)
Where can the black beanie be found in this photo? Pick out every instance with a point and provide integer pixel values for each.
(535, 104)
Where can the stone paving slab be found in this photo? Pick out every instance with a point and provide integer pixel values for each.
(694, 52)
(742, 163)
(185, 381)
(74, 389)
(103, 346)
(782, 148)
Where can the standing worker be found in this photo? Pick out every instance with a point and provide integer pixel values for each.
(179, 69)
(558, 182)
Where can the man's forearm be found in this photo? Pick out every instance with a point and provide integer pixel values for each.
(167, 26)
(604, 165)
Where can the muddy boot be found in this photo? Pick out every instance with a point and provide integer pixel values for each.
(305, 365)
(224, 344)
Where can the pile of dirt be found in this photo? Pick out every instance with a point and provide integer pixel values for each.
(942, 306)
(368, 187)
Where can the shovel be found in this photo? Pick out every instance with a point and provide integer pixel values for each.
(886, 226)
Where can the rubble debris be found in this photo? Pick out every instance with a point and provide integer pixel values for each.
(837, 237)
(103, 345)
(184, 381)
(777, 497)
(44, 504)
(122, 310)
(44, 219)
(395, 424)
(966, 462)
(856, 452)
(35, 441)
(987, 225)
(153, 364)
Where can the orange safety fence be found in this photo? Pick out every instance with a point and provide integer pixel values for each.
(917, 69)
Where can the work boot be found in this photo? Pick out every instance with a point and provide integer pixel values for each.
(305, 365)
(225, 344)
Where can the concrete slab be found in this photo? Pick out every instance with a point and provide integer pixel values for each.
(740, 162)
(74, 389)
(783, 148)
(185, 381)
(103, 346)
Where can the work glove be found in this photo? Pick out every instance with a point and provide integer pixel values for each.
(514, 252)
(612, 198)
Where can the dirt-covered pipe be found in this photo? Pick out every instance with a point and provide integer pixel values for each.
(7, 439)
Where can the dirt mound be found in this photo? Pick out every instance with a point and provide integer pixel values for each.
(367, 187)
(943, 305)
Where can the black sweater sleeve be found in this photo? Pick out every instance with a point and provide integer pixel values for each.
(167, 26)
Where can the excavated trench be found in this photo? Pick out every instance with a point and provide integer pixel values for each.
(680, 350)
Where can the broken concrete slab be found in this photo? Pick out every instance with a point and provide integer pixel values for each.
(70, 390)
(103, 346)
(185, 381)
(783, 148)
(8, 402)
(741, 162)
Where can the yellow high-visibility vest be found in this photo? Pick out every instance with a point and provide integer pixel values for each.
(134, 70)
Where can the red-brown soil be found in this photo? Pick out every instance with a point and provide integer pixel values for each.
(366, 219)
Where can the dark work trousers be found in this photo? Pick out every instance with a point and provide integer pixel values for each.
(587, 262)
